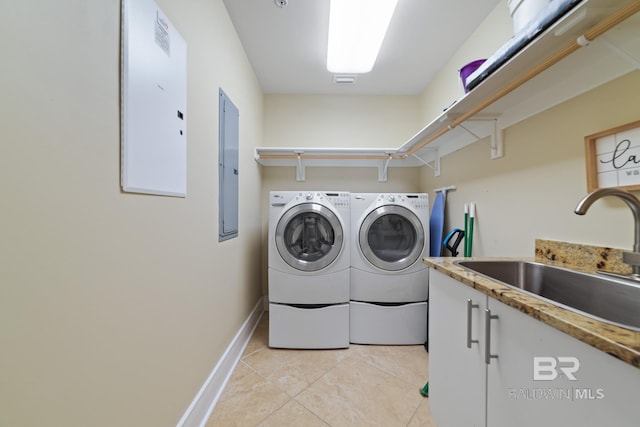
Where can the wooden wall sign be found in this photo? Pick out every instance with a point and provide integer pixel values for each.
(613, 158)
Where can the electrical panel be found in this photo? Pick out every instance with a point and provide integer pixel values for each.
(153, 102)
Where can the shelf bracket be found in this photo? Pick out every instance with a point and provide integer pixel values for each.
(383, 168)
(300, 168)
(436, 161)
(497, 143)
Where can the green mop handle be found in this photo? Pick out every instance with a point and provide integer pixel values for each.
(466, 230)
(472, 216)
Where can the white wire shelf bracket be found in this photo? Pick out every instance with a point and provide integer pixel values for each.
(496, 144)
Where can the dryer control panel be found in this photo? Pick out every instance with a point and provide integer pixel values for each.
(417, 200)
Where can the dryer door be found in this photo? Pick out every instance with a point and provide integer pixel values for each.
(391, 237)
(309, 237)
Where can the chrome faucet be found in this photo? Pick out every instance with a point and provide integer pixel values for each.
(630, 258)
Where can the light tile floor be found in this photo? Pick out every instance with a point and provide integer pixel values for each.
(359, 386)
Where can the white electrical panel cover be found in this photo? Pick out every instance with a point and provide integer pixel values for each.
(153, 102)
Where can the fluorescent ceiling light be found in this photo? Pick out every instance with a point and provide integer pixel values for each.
(356, 31)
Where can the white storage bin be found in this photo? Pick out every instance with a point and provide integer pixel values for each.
(404, 324)
(321, 327)
(524, 11)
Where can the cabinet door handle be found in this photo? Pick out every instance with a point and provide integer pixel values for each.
(470, 306)
(488, 317)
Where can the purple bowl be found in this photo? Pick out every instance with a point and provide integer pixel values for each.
(467, 70)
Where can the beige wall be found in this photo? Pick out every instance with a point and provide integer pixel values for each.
(339, 120)
(532, 192)
(114, 307)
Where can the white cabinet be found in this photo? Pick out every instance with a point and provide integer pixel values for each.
(535, 375)
(457, 374)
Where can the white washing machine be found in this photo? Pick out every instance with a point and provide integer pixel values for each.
(309, 269)
(389, 281)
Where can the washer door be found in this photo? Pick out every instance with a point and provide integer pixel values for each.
(391, 237)
(309, 237)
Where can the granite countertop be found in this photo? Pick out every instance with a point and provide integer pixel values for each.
(617, 341)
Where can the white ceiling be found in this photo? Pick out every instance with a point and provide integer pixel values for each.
(287, 46)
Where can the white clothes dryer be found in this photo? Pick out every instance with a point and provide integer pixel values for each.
(389, 281)
(309, 269)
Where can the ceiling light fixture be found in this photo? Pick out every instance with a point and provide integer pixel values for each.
(356, 31)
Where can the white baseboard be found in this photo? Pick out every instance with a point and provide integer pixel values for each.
(202, 406)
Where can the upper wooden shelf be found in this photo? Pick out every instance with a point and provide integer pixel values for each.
(596, 42)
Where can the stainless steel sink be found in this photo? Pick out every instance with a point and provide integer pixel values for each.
(607, 299)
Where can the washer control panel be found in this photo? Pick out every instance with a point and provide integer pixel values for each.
(419, 201)
(339, 199)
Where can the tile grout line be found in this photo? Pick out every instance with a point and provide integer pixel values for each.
(270, 380)
(415, 412)
(308, 387)
(382, 369)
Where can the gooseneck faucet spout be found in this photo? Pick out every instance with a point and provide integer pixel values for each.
(634, 204)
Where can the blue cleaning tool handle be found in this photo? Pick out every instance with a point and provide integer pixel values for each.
(454, 248)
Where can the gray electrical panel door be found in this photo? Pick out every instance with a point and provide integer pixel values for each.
(228, 169)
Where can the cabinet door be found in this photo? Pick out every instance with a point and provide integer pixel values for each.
(523, 389)
(457, 374)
